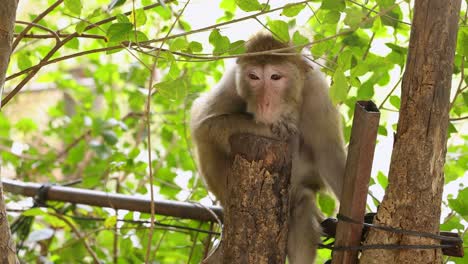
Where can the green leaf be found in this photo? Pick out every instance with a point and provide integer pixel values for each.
(366, 91)
(110, 137)
(452, 128)
(392, 17)
(395, 101)
(354, 17)
(460, 204)
(452, 223)
(115, 3)
(164, 13)
(339, 88)
(291, 10)
(326, 203)
(382, 130)
(331, 17)
(184, 25)
(336, 5)
(298, 39)
(382, 180)
(137, 36)
(220, 43)
(122, 18)
(173, 89)
(118, 32)
(279, 29)
(138, 17)
(26, 125)
(237, 47)
(385, 3)
(465, 98)
(4, 126)
(74, 43)
(76, 154)
(462, 41)
(195, 46)
(34, 212)
(179, 44)
(249, 5)
(110, 221)
(228, 5)
(134, 153)
(80, 27)
(74, 6)
(24, 60)
(397, 49)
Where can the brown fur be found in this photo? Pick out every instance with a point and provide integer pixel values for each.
(264, 42)
(227, 110)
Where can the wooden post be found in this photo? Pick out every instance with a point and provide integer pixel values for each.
(356, 182)
(257, 211)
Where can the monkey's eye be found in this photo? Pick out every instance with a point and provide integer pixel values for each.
(253, 76)
(275, 77)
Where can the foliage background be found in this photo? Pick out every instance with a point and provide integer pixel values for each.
(83, 115)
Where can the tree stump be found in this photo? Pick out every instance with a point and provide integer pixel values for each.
(257, 209)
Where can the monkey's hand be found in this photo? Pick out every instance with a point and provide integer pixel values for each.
(284, 129)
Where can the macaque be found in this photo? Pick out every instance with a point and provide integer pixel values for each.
(275, 96)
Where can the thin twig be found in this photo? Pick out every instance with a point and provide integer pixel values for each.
(459, 118)
(390, 93)
(194, 244)
(75, 142)
(462, 79)
(37, 19)
(127, 43)
(61, 35)
(202, 58)
(110, 19)
(54, 49)
(148, 125)
(21, 156)
(79, 235)
(34, 71)
(368, 47)
(373, 11)
(45, 60)
(53, 33)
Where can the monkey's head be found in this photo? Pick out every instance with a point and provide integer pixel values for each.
(270, 84)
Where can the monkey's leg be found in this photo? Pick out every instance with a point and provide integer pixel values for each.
(304, 228)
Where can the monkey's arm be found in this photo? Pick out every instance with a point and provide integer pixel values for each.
(322, 132)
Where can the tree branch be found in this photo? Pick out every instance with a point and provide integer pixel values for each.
(37, 19)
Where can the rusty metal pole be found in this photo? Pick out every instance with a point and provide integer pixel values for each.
(356, 183)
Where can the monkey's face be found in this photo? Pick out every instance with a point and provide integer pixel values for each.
(270, 90)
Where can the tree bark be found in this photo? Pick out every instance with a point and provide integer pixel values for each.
(7, 21)
(413, 197)
(257, 211)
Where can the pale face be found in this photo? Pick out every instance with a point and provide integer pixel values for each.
(268, 89)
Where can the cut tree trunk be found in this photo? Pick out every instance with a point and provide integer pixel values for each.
(413, 198)
(7, 21)
(257, 211)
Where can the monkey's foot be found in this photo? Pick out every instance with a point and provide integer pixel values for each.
(284, 130)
